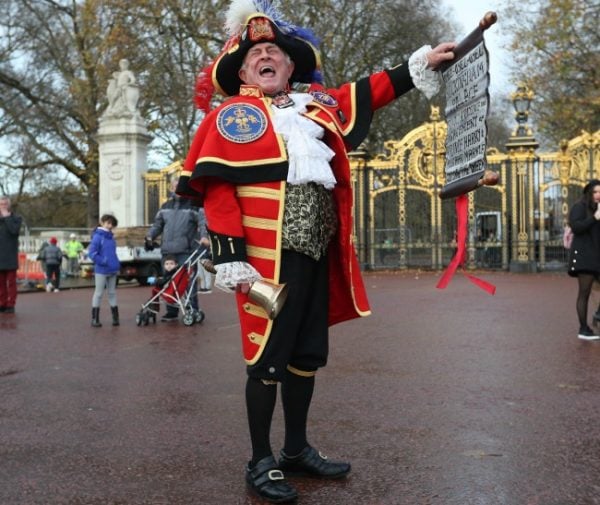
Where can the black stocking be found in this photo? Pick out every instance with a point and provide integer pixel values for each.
(260, 404)
(585, 288)
(296, 395)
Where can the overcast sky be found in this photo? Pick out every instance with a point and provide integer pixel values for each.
(468, 14)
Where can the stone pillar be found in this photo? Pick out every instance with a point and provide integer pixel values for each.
(123, 146)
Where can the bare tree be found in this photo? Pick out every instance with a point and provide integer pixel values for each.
(60, 53)
(555, 47)
(177, 39)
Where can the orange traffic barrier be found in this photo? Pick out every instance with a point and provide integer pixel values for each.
(29, 268)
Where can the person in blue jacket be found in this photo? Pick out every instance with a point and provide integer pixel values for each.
(103, 252)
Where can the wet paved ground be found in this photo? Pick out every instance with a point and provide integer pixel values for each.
(447, 397)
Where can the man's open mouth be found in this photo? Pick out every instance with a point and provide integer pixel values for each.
(266, 70)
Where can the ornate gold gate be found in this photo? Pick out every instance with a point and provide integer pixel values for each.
(407, 180)
(562, 175)
(400, 221)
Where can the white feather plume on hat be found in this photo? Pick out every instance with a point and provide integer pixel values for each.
(240, 10)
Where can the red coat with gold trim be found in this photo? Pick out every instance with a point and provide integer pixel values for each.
(238, 165)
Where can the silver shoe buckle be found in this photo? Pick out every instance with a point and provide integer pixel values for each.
(275, 475)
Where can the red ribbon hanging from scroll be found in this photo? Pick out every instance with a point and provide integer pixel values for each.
(462, 205)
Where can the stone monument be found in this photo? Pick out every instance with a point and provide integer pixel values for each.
(123, 146)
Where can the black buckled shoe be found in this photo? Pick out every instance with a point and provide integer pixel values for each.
(311, 463)
(268, 482)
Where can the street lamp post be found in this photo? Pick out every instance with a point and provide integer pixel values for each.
(521, 147)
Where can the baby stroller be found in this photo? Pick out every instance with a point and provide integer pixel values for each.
(175, 292)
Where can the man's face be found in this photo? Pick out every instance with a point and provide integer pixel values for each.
(4, 207)
(268, 67)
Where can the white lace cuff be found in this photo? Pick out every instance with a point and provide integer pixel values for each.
(425, 80)
(229, 275)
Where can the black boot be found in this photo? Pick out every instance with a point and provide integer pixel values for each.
(115, 315)
(96, 316)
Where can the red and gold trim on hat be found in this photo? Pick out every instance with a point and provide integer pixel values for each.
(260, 29)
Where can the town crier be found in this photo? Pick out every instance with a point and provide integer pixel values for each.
(271, 167)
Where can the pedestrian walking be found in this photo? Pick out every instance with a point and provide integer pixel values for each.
(584, 254)
(272, 168)
(51, 257)
(103, 252)
(10, 226)
(73, 250)
(40, 257)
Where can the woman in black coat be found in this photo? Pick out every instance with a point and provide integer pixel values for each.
(584, 256)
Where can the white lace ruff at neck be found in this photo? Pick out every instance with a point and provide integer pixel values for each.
(308, 156)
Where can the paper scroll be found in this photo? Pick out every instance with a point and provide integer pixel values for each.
(467, 81)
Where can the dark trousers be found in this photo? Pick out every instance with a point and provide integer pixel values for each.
(53, 275)
(300, 334)
(8, 288)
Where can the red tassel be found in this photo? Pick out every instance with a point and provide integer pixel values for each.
(462, 207)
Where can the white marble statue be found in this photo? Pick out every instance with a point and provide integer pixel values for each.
(122, 92)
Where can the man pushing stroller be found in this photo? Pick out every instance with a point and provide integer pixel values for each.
(182, 228)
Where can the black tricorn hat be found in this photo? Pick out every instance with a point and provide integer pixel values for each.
(251, 22)
(260, 28)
